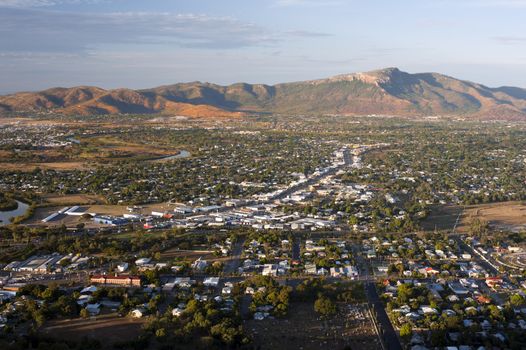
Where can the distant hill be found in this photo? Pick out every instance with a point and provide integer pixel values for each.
(385, 92)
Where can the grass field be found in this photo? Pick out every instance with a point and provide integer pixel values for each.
(442, 217)
(51, 165)
(187, 255)
(74, 199)
(505, 216)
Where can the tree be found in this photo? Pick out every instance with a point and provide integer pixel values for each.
(406, 331)
(84, 313)
(324, 306)
(517, 300)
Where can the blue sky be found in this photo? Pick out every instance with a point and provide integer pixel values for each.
(139, 44)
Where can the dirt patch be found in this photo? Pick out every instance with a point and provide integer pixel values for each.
(106, 328)
(53, 166)
(302, 329)
(74, 199)
(442, 217)
(188, 255)
(506, 216)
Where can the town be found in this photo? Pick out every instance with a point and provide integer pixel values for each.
(372, 236)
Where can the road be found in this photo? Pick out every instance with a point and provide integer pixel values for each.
(388, 335)
(296, 248)
(233, 264)
(475, 255)
(311, 181)
(387, 332)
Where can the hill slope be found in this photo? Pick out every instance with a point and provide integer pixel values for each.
(387, 91)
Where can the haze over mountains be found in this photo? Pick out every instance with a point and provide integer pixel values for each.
(385, 92)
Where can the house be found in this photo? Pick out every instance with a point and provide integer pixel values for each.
(138, 313)
(177, 312)
(199, 264)
(122, 267)
(322, 272)
(211, 282)
(93, 309)
(142, 261)
(88, 290)
(336, 271)
(270, 270)
(351, 271)
(428, 310)
(310, 269)
(457, 288)
(83, 300)
(493, 282)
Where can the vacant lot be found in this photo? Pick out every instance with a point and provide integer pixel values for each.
(347, 329)
(442, 217)
(506, 216)
(188, 255)
(74, 199)
(107, 328)
(51, 165)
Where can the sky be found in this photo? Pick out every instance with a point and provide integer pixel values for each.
(147, 43)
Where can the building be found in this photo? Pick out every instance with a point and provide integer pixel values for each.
(122, 267)
(212, 282)
(132, 281)
(199, 265)
(457, 288)
(270, 270)
(109, 220)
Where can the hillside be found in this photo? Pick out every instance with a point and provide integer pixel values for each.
(388, 91)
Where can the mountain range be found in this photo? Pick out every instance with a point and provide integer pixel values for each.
(382, 92)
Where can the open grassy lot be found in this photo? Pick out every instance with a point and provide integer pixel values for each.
(51, 165)
(74, 199)
(505, 216)
(188, 255)
(442, 217)
(113, 148)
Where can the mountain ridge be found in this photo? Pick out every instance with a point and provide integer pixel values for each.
(388, 91)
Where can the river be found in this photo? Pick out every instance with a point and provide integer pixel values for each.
(182, 154)
(5, 216)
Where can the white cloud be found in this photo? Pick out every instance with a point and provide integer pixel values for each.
(40, 3)
(316, 3)
(484, 3)
(34, 30)
(510, 40)
(50, 31)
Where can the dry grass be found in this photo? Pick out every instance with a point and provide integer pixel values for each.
(187, 255)
(442, 217)
(51, 165)
(74, 199)
(500, 216)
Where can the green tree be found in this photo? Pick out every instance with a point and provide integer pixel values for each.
(406, 331)
(324, 306)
